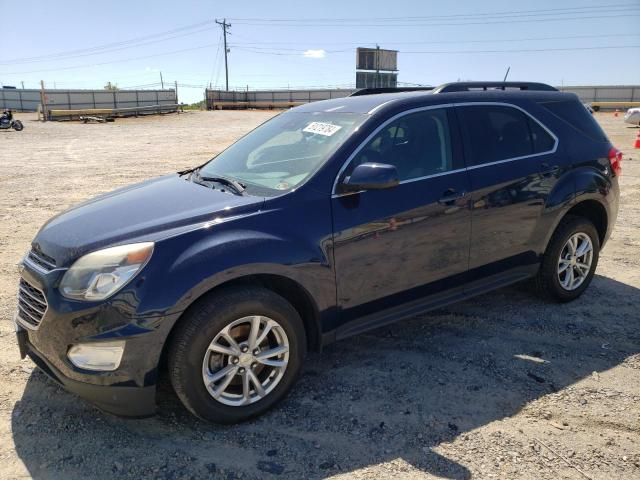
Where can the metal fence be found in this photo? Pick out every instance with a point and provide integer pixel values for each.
(291, 98)
(27, 100)
(605, 93)
(270, 98)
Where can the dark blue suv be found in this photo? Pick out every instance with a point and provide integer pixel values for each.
(328, 220)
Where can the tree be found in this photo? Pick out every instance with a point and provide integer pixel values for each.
(111, 86)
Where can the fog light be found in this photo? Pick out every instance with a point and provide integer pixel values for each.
(102, 356)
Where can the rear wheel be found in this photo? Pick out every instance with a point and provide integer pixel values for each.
(570, 261)
(17, 125)
(236, 354)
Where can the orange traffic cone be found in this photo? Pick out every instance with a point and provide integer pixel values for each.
(637, 144)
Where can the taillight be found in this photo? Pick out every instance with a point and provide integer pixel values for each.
(615, 157)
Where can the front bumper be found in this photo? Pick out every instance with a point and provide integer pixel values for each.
(126, 401)
(128, 390)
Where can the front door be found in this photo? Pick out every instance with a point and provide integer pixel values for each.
(394, 245)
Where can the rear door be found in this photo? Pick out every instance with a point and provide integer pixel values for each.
(512, 165)
(395, 245)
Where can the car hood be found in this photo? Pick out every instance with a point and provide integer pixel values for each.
(147, 211)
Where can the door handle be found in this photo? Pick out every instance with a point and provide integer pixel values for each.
(450, 196)
(548, 170)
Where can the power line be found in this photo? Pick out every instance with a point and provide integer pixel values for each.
(114, 61)
(215, 61)
(537, 12)
(443, 42)
(522, 50)
(301, 52)
(427, 24)
(105, 48)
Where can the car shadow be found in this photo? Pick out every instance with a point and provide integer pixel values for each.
(397, 394)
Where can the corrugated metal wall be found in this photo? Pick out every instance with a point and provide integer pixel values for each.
(290, 98)
(271, 98)
(605, 93)
(27, 100)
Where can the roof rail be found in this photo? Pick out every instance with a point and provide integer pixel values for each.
(375, 91)
(469, 86)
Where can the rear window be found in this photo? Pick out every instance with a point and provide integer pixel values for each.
(576, 115)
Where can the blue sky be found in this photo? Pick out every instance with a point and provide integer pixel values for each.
(559, 42)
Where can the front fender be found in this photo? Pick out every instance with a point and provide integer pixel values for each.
(208, 259)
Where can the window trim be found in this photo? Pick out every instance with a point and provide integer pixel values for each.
(434, 107)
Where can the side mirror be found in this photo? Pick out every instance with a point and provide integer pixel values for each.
(370, 176)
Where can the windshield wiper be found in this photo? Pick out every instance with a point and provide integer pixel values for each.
(238, 187)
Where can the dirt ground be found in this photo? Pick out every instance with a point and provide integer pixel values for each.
(501, 386)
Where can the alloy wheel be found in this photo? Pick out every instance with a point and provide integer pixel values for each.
(576, 258)
(246, 360)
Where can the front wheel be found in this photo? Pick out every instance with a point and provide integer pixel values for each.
(570, 260)
(236, 354)
(17, 125)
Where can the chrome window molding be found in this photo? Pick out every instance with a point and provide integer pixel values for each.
(433, 175)
(434, 107)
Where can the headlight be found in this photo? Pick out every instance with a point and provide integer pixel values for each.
(100, 274)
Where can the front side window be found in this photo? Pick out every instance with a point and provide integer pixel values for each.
(417, 144)
(282, 153)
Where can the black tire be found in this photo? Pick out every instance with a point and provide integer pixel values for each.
(17, 125)
(198, 328)
(547, 280)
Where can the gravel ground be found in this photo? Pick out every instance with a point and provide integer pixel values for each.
(500, 386)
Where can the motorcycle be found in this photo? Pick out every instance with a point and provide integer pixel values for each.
(7, 122)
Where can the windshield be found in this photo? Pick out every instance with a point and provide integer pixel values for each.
(283, 152)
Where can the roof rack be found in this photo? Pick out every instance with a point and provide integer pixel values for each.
(470, 86)
(375, 91)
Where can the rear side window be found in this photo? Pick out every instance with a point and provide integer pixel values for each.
(496, 133)
(575, 114)
(542, 141)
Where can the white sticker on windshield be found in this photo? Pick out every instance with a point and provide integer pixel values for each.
(326, 129)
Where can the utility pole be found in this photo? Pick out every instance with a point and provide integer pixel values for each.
(176, 84)
(161, 81)
(43, 101)
(225, 26)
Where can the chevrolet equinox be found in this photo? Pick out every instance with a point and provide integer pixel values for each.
(330, 219)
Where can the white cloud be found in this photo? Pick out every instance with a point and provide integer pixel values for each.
(315, 54)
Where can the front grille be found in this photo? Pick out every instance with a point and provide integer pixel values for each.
(32, 304)
(41, 260)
